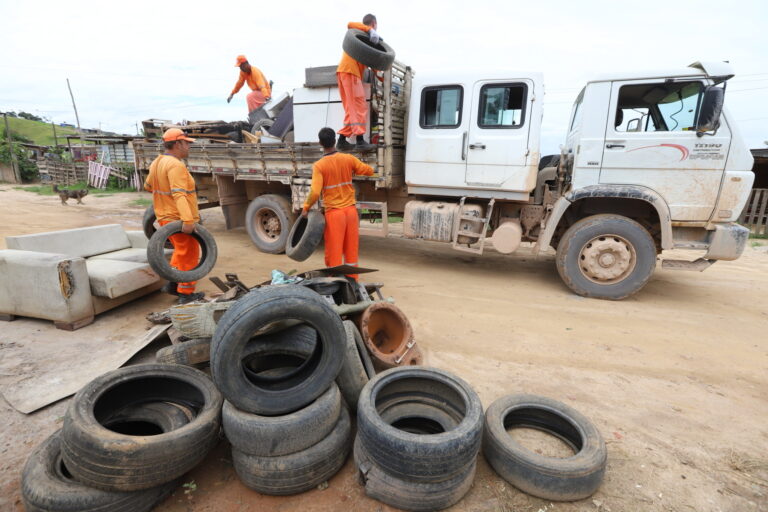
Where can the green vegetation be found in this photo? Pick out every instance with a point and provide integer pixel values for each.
(142, 201)
(759, 237)
(37, 132)
(47, 190)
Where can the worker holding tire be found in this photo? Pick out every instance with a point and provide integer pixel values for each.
(349, 76)
(174, 198)
(332, 178)
(261, 90)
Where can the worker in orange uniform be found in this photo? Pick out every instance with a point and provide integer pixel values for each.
(349, 76)
(332, 177)
(174, 198)
(261, 89)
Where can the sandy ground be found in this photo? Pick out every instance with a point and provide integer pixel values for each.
(675, 378)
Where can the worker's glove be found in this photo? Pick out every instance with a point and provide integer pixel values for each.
(268, 99)
(374, 37)
(305, 212)
(230, 98)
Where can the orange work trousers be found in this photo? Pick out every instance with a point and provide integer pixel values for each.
(186, 256)
(353, 101)
(342, 237)
(255, 99)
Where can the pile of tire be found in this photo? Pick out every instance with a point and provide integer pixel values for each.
(284, 415)
(419, 433)
(128, 437)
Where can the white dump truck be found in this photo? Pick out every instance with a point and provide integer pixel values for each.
(652, 161)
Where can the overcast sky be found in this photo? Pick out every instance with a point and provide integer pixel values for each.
(129, 61)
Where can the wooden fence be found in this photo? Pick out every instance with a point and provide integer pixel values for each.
(755, 214)
(62, 173)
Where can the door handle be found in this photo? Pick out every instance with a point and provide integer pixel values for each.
(464, 146)
(477, 145)
(611, 146)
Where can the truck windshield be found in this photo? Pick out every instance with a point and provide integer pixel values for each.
(665, 107)
(576, 115)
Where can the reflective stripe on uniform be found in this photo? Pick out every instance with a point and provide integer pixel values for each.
(338, 185)
(161, 193)
(182, 190)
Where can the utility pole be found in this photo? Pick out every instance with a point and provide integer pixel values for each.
(14, 163)
(77, 117)
(55, 139)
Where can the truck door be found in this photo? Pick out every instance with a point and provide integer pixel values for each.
(436, 149)
(497, 144)
(651, 140)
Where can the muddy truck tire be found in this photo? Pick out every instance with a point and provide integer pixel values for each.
(358, 45)
(160, 264)
(273, 436)
(552, 478)
(46, 485)
(300, 471)
(409, 495)
(142, 454)
(272, 396)
(606, 257)
(268, 221)
(420, 424)
(305, 236)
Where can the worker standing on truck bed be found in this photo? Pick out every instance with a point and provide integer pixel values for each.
(332, 177)
(261, 89)
(174, 198)
(349, 76)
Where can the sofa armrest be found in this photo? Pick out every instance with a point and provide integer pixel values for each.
(138, 239)
(44, 285)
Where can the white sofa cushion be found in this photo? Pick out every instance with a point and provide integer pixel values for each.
(113, 278)
(83, 242)
(132, 254)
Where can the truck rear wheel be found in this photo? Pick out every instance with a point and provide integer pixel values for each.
(606, 257)
(268, 221)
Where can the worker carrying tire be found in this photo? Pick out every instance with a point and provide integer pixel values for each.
(174, 198)
(261, 90)
(349, 76)
(332, 178)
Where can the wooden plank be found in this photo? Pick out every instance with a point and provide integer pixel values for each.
(762, 222)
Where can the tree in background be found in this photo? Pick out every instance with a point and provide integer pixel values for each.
(27, 167)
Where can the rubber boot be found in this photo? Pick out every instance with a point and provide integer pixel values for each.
(362, 145)
(343, 144)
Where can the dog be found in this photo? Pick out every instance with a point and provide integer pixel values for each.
(65, 195)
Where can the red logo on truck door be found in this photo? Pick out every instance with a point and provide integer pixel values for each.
(683, 150)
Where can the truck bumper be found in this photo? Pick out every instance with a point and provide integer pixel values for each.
(727, 241)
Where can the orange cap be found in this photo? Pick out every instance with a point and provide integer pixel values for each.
(173, 134)
(240, 59)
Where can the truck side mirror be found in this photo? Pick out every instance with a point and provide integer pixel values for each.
(711, 108)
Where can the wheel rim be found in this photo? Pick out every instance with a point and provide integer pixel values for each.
(267, 225)
(607, 259)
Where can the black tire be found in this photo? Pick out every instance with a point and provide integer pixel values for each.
(102, 458)
(357, 45)
(268, 221)
(621, 236)
(409, 495)
(46, 485)
(273, 436)
(560, 479)
(420, 424)
(260, 308)
(165, 415)
(305, 236)
(357, 369)
(300, 471)
(148, 222)
(188, 353)
(160, 264)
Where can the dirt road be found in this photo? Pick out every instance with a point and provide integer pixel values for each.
(675, 378)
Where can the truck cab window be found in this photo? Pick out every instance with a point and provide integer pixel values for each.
(576, 116)
(502, 105)
(660, 107)
(441, 107)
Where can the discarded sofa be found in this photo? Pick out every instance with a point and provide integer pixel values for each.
(70, 276)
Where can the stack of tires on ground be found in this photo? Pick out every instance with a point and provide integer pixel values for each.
(127, 438)
(284, 415)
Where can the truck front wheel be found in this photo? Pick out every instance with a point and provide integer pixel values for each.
(268, 221)
(606, 257)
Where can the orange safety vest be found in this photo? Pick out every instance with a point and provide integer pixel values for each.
(173, 190)
(332, 175)
(256, 81)
(348, 64)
